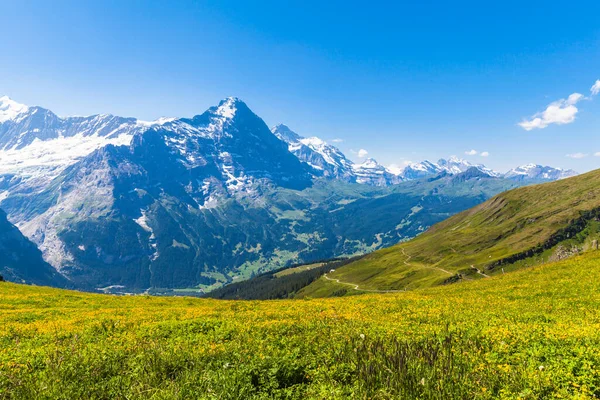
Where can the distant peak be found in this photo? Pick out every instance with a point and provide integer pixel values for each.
(370, 162)
(456, 159)
(284, 133)
(281, 127)
(10, 109)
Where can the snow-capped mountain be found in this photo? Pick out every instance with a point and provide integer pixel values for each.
(35, 142)
(224, 154)
(328, 160)
(36, 145)
(178, 201)
(372, 173)
(455, 165)
(534, 172)
(420, 170)
(452, 166)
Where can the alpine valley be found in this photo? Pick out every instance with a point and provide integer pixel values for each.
(125, 205)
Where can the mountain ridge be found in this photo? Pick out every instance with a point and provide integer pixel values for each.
(199, 202)
(37, 144)
(522, 227)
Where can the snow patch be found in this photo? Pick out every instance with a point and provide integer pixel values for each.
(10, 109)
(50, 154)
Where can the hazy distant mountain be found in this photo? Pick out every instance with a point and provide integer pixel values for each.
(534, 172)
(372, 173)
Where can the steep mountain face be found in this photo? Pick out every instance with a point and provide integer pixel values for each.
(520, 228)
(326, 159)
(534, 172)
(21, 261)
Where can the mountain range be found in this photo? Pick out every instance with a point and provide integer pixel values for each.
(199, 202)
(516, 229)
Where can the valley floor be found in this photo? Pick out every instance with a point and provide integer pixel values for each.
(530, 334)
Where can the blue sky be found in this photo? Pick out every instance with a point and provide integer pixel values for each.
(401, 80)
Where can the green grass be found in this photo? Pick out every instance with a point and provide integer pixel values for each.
(509, 224)
(531, 334)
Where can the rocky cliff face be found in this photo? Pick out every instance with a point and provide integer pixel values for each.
(21, 261)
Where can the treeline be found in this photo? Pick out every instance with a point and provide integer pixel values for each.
(269, 287)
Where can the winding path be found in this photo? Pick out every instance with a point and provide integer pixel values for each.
(356, 287)
(439, 269)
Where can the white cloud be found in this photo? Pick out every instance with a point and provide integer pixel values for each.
(395, 169)
(574, 98)
(577, 155)
(475, 153)
(337, 140)
(597, 154)
(595, 89)
(362, 153)
(559, 112)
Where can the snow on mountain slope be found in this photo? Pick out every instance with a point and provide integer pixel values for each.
(185, 175)
(538, 172)
(455, 165)
(328, 160)
(10, 109)
(123, 201)
(420, 170)
(452, 166)
(36, 143)
(372, 173)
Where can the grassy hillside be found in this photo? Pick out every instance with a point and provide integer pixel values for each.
(283, 283)
(521, 227)
(531, 334)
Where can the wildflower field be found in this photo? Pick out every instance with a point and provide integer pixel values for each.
(530, 334)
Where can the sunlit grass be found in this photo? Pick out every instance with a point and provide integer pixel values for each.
(529, 334)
